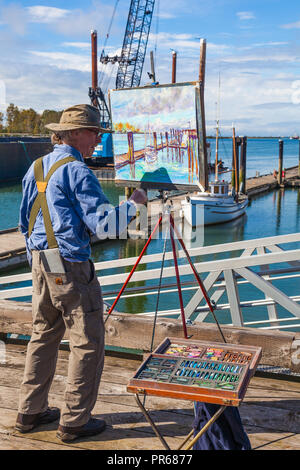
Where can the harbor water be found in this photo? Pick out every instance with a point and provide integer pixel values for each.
(269, 214)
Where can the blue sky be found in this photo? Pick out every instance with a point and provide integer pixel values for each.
(253, 45)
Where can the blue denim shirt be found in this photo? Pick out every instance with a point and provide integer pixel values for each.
(77, 207)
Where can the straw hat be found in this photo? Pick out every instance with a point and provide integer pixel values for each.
(80, 116)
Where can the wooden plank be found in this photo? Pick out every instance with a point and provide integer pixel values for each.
(267, 439)
(112, 369)
(9, 442)
(132, 331)
(276, 412)
(275, 418)
(116, 437)
(115, 413)
(125, 416)
(255, 413)
(11, 241)
(273, 384)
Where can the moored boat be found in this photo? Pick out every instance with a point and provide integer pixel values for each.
(215, 206)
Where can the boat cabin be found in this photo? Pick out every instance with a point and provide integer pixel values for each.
(219, 188)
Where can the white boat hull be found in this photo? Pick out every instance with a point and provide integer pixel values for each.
(203, 210)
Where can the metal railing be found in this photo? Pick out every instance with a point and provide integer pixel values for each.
(247, 276)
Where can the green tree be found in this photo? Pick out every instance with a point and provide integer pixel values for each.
(28, 121)
(1, 122)
(12, 118)
(49, 115)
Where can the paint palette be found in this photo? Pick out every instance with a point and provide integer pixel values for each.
(213, 373)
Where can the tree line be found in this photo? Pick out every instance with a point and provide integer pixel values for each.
(26, 121)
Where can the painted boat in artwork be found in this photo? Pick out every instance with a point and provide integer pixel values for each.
(214, 207)
(150, 155)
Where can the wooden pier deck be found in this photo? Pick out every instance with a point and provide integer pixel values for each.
(270, 411)
(264, 183)
(123, 159)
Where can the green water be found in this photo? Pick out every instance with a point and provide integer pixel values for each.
(274, 213)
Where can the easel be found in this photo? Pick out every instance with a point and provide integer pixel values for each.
(172, 229)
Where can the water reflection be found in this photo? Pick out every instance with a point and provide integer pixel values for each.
(280, 194)
(132, 249)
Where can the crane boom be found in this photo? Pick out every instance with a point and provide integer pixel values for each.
(135, 43)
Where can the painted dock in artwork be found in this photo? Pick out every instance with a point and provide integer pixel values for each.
(176, 142)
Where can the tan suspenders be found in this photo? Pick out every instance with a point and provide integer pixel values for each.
(41, 201)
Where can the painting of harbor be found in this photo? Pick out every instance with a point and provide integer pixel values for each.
(156, 135)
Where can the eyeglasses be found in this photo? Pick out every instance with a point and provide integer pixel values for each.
(97, 133)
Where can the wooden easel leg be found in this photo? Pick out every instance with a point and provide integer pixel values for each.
(152, 424)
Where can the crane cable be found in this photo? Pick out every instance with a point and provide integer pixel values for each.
(156, 32)
(100, 79)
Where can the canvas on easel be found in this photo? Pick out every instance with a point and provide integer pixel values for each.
(158, 135)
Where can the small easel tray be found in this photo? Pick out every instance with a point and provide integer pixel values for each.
(197, 370)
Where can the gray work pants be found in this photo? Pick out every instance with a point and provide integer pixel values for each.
(69, 302)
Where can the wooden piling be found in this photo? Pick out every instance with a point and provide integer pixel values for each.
(152, 66)
(203, 166)
(174, 60)
(299, 160)
(243, 161)
(280, 161)
(130, 147)
(237, 145)
(128, 192)
(155, 140)
(234, 162)
(94, 66)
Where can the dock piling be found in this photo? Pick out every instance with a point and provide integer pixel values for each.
(280, 162)
(243, 160)
(174, 61)
(299, 160)
(152, 66)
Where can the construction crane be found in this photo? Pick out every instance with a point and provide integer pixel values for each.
(135, 43)
(131, 60)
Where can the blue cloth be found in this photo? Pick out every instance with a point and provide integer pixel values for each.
(226, 433)
(77, 206)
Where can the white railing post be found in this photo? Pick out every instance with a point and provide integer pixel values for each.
(233, 297)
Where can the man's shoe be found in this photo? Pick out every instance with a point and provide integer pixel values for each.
(26, 423)
(91, 428)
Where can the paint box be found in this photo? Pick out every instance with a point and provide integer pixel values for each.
(219, 373)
